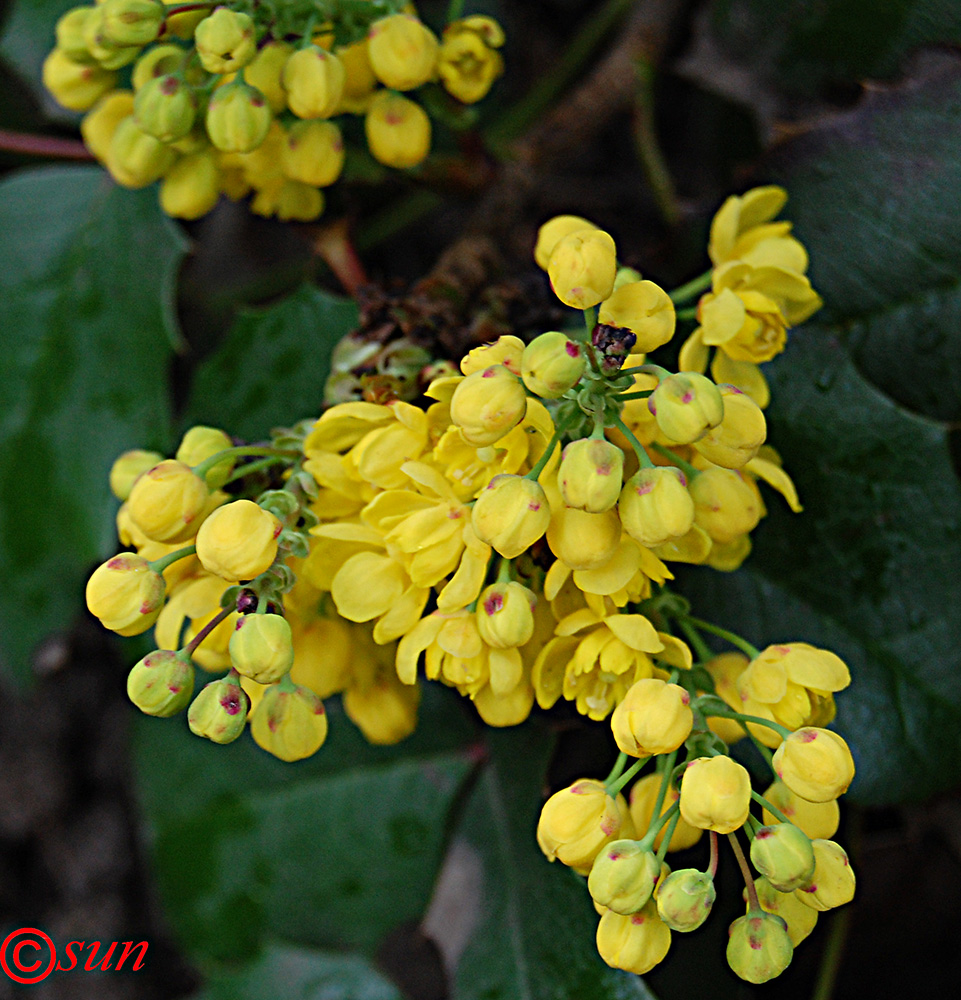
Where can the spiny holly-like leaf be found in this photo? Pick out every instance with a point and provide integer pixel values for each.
(86, 271)
(270, 370)
(533, 938)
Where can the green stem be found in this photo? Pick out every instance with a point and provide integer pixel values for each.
(689, 313)
(661, 373)
(642, 394)
(159, 565)
(685, 467)
(753, 905)
(286, 684)
(615, 786)
(647, 841)
(692, 288)
(455, 10)
(648, 148)
(617, 769)
(504, 571)
(644, 460)
(694, 637)
(245, 470)
(731, 637)
(668, 836)
(590, 321)
(546, 457)
(772, 809)
(761, 748)
(576, 55)
(831, 959)
(665, 781)
(252, 449)
(756, 719)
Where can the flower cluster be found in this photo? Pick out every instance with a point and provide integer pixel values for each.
(511, 537)
(238, 98)
(622, 847)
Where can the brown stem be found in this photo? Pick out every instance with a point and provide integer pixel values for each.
(333, 245)
(44, 145)
(712, 866)
(207, 629)
(752, 903)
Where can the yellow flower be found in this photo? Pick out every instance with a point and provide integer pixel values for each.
(643, 796)
(582, 268)
(469, 62)
(125, 594)
(552, 232)
(238, 541)
(290, 724)
(402, 51)
(833, 882)
(636, 942)
(815, 764)
(799, 917)
(654, 717)
(595, 669)
(578, 821)
(398, 130)
(645, 309)
(715, 794)
(487, 404)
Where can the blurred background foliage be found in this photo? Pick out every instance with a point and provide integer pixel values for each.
(369, 873)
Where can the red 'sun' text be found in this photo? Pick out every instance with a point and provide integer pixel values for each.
(27, 955)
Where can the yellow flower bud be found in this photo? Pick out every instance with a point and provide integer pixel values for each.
(506, 351)
(635, 943)
(645, 309)
(725, 505)
(552, 232)
(385, 710)
(167, 502)
(156, 62)
(580, 539)
(685, 898)
(582, 268)
(102, 49)
(402, 51)
(819, 820)
(293, 201)
(219, 712)
(131, 22)
(261, 647)
(238, 541)
(759, 947)
(238, 118)
(75, 85)
(643, 797)
(165, 108)
(100, 123)
(511, 514)
(360, 81)
(136, 159)
(469, 62)
(623, 876)
(739, 435)
(715, 794)
(226, 41)
(265, 70)
(161, 683)
(505, 615)
(190, 189)
(70, 37)
(576, 823)
(686, 406)
(200, 443)
(128, 468)
(314, 81)
(551, 364)
(655, 505)
(590, 474)
(783, 853)
(814, 763)
(653, 718)
(488, 404)
(183, 25)
(289, 724)
(799, 917)
(125, 594)
(398, 130)
(832, 883)
(313, 153)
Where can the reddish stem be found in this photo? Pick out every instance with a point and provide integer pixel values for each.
(753, 904)
(333, 245)
(207, 629)
(44, 145)
(712, 866)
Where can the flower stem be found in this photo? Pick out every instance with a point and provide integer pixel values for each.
(753, 904)
(773, 810)
(712, 864)
(159, 565)
(782, 731)
(685, 467)
(44, 145)
(614, 787)
(618, 769)
(731, 637)
(697, 641)
(253, 449)
(692, 288)
(207, 629)
(668, 834)
(644, 460)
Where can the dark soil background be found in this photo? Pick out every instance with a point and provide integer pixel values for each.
(651, 165)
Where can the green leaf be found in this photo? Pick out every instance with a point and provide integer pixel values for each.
(869, 569)
(804, 47)
(28, 35)
(86, 271)
(534, 936)
(271, 368)
(875, 195)
(331, 852)
(284, 972)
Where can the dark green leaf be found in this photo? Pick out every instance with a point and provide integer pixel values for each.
(270, 370)
(534, 936)
(283, 972)
(870, 568)
(804, 46)
(331, 852)
(86, 271)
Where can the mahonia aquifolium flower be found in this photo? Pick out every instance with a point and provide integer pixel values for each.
(511, 537)
(217, 93)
